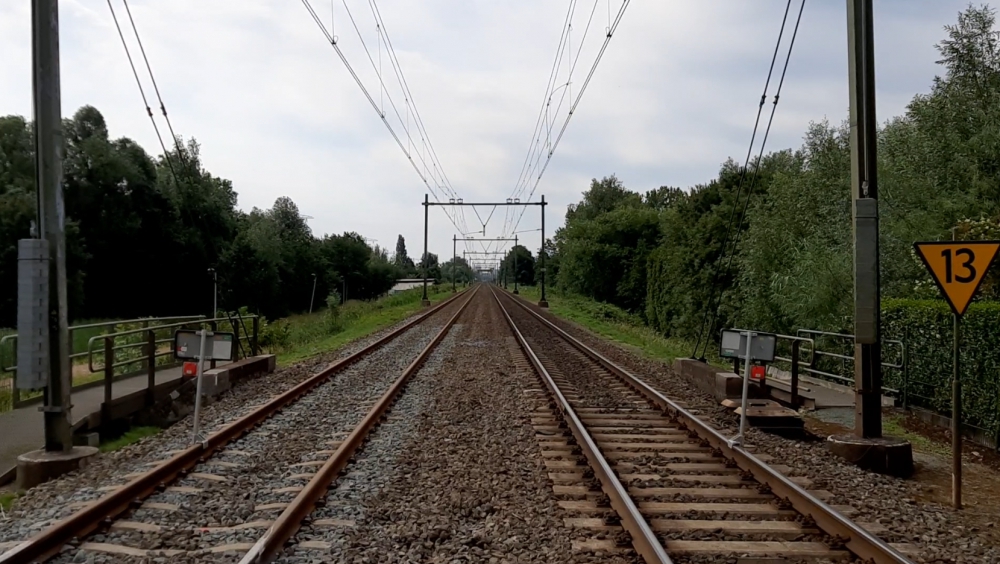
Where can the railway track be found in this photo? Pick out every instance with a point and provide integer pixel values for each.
(639, 471)
(245, 491)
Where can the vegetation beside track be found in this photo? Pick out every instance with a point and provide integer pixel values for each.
(133, 435)
(615, 324)
(299, 337)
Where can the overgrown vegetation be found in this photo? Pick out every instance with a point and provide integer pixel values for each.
(788, 263)
(133, 435)
(615, 324)
(301, 336)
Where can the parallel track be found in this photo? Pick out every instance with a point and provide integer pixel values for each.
(643, 447)
(104, 511)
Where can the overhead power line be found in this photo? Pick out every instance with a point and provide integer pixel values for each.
(142, 91)
(712, 313)
(432, 169)
(535, 166)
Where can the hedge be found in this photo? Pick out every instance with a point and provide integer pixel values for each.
(926, 328)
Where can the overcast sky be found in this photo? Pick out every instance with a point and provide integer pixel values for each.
(276, 111)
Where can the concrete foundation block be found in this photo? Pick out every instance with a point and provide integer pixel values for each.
(40, 466)
(710, 379)
(215, 382)
(887, 455)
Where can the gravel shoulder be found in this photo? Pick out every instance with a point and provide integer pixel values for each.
(56, 499)
(939, 533)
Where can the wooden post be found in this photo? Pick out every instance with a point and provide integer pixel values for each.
(150, 366)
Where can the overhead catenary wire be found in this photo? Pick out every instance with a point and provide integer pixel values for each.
(334, 44)
(152, 79)
(743, 171)
(756, 172)
(142, 92)
(575, 104)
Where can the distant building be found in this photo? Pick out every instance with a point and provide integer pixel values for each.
(404, 284)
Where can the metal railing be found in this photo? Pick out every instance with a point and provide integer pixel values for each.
(847, 360)
(145, 348)
(151, 348)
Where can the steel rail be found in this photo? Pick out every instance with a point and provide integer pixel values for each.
(270, 545)
(643, 539)
(49, 542)
(860, 542)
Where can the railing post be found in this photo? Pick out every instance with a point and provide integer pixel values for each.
(253, 343)
(151, 367)
(109, 375)
(214, 327)
(795, 373)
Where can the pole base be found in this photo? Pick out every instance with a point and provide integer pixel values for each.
(543, 303)
(887, 455)
(42, 465)
(425, 302)
(516, 292)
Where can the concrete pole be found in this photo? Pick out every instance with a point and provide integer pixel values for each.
(52, 217)
(864, 189)
(454, 261)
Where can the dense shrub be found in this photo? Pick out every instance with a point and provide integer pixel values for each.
(926, 328)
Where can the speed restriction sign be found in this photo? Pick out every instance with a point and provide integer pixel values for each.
(958, 268)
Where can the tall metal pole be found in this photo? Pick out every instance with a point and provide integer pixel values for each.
(52, 217)
(515, 264)
(215, 292)
(424, 300)
(454, 261)
(313, 297)
(543, 302)
(956, 420)
(864, 189)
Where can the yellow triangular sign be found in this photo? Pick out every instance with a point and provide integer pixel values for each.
(958, 267)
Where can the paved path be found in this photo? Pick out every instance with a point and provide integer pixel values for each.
(22, 430)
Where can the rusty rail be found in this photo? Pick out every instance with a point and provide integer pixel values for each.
(863, 544)
(49, 542)
(270, 545)
(643, 539)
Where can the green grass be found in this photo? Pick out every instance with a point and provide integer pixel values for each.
(312, 334)
(616, 324)
(893, 425)
(7, 500)
(133, 435)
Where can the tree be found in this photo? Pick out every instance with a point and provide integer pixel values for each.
(402, 260)
(429, 267)
(524, 272)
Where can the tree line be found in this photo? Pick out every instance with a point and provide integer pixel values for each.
(789, 264)
(143, 233)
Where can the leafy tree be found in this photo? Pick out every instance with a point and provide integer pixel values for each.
(525, 265)
(402, 260)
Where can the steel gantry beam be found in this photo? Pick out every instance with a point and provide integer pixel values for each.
(510, 202)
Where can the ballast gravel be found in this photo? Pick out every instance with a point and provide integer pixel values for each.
(455, 474)
(44, 504)
(937, 533)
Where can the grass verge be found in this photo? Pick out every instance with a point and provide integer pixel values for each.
(893, 425)
(615, 324)
(7, 500)
(133, 435)
(313, 334)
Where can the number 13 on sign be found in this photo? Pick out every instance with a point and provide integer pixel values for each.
(958, 268)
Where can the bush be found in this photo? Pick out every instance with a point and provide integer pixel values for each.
(926, 328)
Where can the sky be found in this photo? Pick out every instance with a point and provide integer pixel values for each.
(276, 110)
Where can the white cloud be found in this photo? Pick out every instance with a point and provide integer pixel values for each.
(276, 112)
